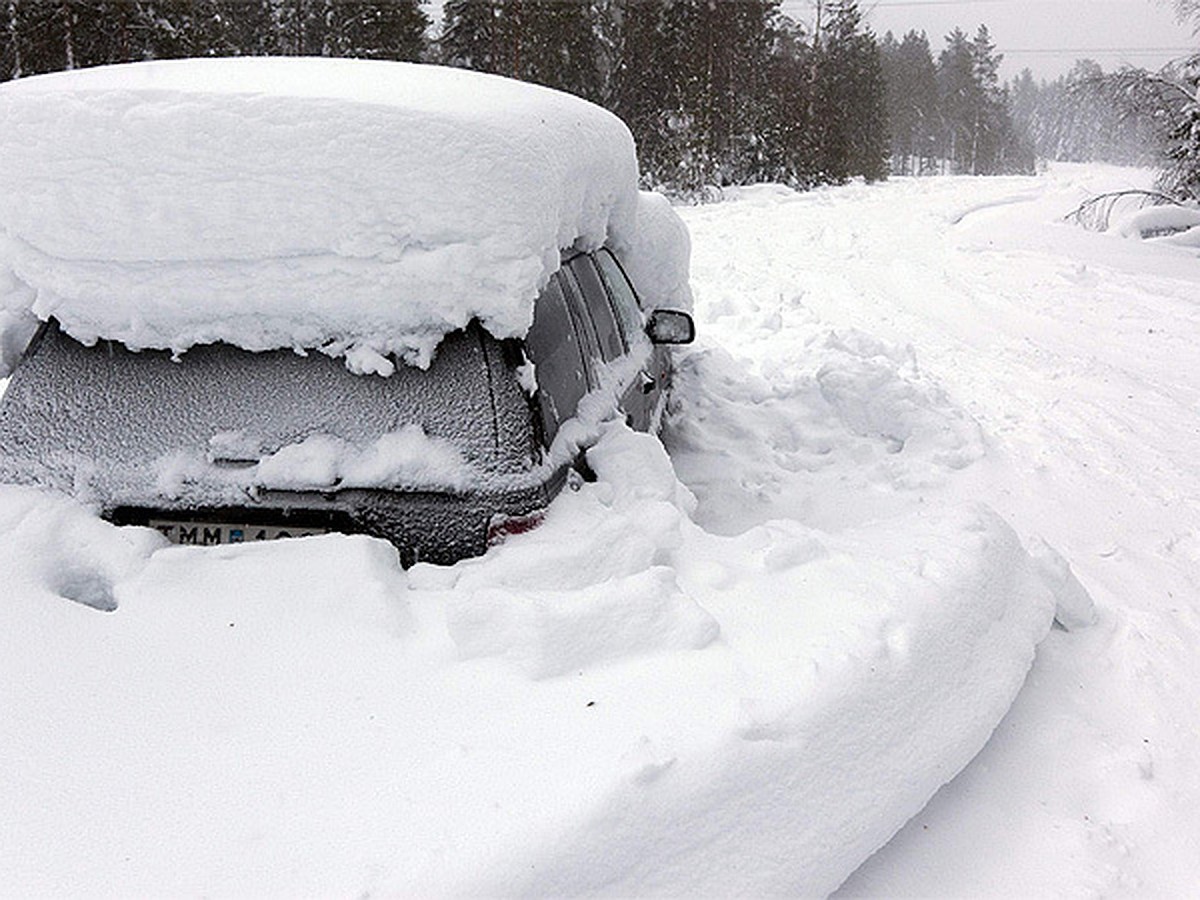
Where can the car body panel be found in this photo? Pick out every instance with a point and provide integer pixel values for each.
(151, 438)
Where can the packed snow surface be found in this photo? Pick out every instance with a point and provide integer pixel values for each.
(924, 418)
(363, 208)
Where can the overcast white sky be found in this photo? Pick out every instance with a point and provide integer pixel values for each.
(1045, 35)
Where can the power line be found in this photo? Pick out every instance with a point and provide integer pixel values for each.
(1098, 50)
(881, 5)
(897, 4)
(884, 4)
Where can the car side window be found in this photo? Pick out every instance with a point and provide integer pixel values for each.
(560, 363)
(629, 312)
(599, 306)
(585, 329)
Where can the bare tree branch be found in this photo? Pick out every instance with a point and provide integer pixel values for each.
(1095, 212)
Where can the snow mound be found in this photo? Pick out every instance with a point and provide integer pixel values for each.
(840, 431)
(657, 258)
(52, 548)
(363, 208)
(1155, 221)
(1074, 607)
(616, 702)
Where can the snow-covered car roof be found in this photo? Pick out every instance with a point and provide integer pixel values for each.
(363, 208)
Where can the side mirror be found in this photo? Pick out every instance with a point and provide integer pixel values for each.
(670, 326)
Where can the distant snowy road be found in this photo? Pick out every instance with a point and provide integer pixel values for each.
(1077, 355)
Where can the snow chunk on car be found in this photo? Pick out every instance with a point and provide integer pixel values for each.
(406, 457)
(1159, 221)
(362, 208)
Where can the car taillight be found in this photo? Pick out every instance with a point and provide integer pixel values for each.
(502, 526)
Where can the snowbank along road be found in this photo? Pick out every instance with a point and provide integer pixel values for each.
(925, 418)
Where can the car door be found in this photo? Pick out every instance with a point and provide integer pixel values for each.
(646, 393)
(613, 341)
(581, 325)
(561, 351)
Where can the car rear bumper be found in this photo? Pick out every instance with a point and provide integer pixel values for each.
(424, 526)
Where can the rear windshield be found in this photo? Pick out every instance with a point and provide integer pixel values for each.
(113, 405)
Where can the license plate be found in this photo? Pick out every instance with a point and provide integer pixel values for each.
(211, 533)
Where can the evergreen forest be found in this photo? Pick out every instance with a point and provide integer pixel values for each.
(716, 92)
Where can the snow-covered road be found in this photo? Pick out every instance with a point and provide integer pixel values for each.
(1077, 355)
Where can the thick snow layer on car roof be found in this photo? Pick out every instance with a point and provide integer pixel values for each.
(361, 207)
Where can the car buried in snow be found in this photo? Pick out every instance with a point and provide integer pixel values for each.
(320, 295)
(251, 446)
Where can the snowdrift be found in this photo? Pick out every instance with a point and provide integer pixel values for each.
(1170, 223)
(618, 702)
(363, 208)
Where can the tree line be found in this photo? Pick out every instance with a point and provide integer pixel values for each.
(951, 115)
(715, 91)
(1171, 99)
(38, 36)
(1129, 116)
(1077, 118)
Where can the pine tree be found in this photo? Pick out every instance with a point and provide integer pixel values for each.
(469, 35)
(559, 46)
(50, 35)
(377, 30)
(652, 89)
(957, 100)
(44, 36)
(1172, 98)
(990, 125)
(11, 64)
(1188, 9)
(1180, 176)
(638, 74)
(850, 118)
(340, 28)
(172, 29)
(788, 147)
(725, 47)
(1076, 117)
(548, 42)
(1024, 93)
(689, 79)
(912, 101)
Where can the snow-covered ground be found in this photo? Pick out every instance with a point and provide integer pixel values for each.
(735, 670)
(1076, 355)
